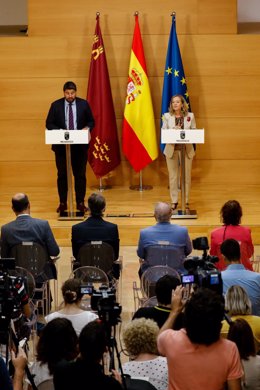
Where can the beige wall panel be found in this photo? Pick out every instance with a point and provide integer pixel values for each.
(221, 14)
(43, 174)
(210, 96)
(68, 18)
(202, 55)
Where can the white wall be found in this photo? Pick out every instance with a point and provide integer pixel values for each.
(248, 10)
(13, 12)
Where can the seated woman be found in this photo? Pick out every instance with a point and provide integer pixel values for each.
(86, 372)
(231, 214)
(241, 334)
(139, 337)
(58, 341)
(71, 310)
(238, 305)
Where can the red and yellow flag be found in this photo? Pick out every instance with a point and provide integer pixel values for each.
(139, 133)
(103, 153)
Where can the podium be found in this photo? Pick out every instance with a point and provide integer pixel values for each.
(183, 137)
(68, 137)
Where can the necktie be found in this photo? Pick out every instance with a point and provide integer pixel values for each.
(71, 121)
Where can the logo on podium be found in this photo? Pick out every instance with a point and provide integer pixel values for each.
(182, 134)
(66, 135)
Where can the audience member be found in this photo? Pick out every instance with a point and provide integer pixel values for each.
(163, 231)
(25, 228)
(198, 358)
(87, 369)
(139, 337)
(71, 310)
(238, 305)
(236, 274)
(58, 341)
(163, 292)
(231, 214)
(241, 334)
(95, 228)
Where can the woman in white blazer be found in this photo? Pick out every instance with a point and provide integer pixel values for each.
(178, 117)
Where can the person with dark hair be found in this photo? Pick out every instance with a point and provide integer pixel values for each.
(178, 117)
(237, 274)
(71, 310)
(93, 344)
(25, 228)
(95, 228)
(163, 291)
(198, 358)
(231, 214)
(58, 341)
(241, 333)
(71, 113)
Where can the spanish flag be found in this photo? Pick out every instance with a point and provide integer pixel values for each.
(139, 133)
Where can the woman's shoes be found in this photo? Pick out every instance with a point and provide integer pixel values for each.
(174, 206)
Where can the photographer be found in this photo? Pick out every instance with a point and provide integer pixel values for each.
(215, 362)
(87, 368)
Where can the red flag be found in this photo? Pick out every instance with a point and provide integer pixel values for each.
(103, 154)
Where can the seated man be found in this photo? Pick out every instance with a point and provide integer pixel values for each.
(94, 228)
(198, 358)
(237, 274)
(163, 231)
(163, 290)
(27, 229)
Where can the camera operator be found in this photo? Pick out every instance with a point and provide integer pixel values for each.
(214, 361)
(87, 369)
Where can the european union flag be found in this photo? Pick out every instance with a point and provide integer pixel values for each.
(174, 77)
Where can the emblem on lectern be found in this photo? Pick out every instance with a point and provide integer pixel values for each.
(182, 134)
(66, 135)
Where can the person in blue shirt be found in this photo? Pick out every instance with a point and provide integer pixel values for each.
(237, 274)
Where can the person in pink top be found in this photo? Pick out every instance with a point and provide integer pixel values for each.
(231, 214)
(198, 358)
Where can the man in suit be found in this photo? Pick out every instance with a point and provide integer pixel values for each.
(163, 231)
(71, 113)
(25, 228)
(95, 228)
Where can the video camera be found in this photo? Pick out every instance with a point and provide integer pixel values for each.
(201, 270)
(104, 302)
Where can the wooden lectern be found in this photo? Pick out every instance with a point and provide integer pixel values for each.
(68, 137)
(182, 137)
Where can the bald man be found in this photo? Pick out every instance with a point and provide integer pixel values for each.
(163, 231)
(26, 229)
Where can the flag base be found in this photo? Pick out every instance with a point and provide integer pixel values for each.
(101, 188)
(141, 188)
(185, 214)
(71, 216)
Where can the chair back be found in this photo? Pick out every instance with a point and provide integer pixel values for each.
(34, 257)
(46, 385)
(150, 302)
(97, 254)
(165, 253)
(150, 277)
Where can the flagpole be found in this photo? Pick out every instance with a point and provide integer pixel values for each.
(141, 187)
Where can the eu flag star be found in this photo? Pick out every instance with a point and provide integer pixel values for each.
(186, 94)
(176, 73)
(168, 70)
(183, 81)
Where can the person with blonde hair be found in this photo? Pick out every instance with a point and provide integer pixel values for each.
(71, 310)
(139, 337)
(177, 118)
(238, 305)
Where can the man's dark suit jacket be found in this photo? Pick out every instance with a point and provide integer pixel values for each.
(56, 117)
(95, 229)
